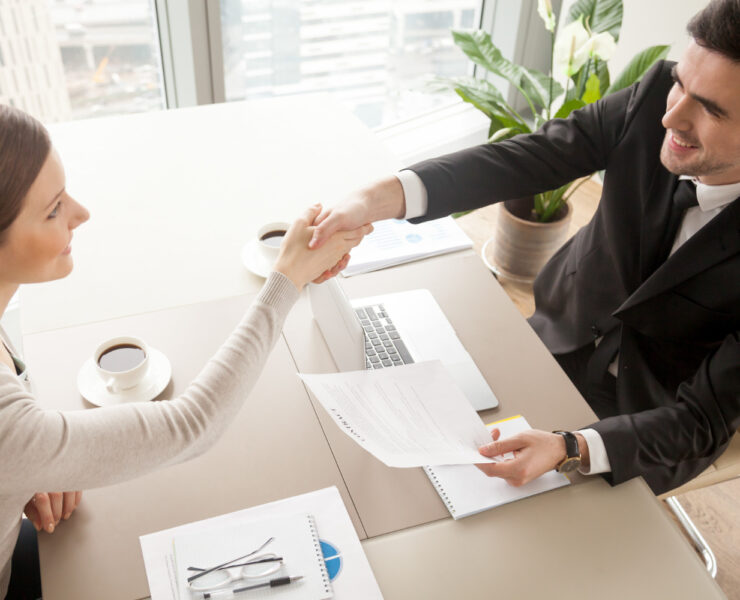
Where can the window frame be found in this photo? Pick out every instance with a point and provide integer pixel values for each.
(192, 65)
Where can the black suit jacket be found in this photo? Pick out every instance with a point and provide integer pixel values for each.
(678, 388)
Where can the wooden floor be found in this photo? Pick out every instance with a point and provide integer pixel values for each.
(716, 509)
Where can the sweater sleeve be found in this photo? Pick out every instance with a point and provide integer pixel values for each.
(66, 450)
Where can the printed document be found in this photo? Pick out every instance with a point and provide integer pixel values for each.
(349, 571)
(408, 416)
(394, 242)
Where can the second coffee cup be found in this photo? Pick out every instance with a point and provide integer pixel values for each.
(269, 238)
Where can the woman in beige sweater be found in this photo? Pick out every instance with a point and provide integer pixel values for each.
(48, 450)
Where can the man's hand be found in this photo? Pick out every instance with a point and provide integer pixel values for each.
(535, 452)
(382, 200)
(301, 264)
(46, 509)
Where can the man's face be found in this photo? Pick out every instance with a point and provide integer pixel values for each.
(702, 118)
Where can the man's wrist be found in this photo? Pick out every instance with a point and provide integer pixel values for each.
(385, 200)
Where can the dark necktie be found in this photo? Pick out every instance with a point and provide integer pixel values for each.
(683, 198)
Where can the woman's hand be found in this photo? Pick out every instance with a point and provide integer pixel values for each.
(301, 264)
(46, 509)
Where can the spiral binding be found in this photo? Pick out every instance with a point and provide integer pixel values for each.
(440, 490)
(319, 555)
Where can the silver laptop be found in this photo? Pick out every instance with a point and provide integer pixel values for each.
(385, 331)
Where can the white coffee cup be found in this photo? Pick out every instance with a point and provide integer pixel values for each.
(269, 238)
(122, 362)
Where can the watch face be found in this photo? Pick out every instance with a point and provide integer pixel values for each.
(569, 464)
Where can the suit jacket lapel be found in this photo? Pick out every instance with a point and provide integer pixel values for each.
(656, 214)
(716, 241)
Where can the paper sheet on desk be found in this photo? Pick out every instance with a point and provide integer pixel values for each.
(394, 242)
(350, 572)
(407, 416)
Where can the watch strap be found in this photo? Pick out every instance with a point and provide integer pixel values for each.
(571, 444)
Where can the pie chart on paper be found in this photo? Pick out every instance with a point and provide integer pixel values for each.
(332, 559)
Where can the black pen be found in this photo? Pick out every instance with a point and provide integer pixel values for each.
(272, 583)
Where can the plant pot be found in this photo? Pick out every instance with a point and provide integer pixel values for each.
(521, 247)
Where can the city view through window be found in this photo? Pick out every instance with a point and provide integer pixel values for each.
(72, 59)
(373, 56)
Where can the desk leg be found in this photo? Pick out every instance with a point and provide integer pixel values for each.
(696, 538)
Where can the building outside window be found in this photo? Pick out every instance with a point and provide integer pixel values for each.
(373, 56)
(72, 59)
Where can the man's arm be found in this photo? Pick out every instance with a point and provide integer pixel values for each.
(381, 200)
(672, 444)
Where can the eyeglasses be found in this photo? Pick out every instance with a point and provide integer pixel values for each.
(258, 566)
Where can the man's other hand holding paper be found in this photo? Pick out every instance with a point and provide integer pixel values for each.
(535, 453)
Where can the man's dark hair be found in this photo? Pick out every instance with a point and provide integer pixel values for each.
(717, 27)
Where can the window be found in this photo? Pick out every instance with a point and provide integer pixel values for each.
(71, 59)
(373, 56)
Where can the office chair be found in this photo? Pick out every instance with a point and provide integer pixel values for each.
(726, 467)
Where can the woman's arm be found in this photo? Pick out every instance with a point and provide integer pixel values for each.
(48, 450)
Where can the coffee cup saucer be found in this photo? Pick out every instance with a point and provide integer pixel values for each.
(255, 260)
(92, 387)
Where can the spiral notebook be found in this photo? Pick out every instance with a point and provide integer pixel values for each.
(295, 540)
(466, 490)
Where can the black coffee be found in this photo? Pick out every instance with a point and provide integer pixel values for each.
(122, 357)
(273, 238)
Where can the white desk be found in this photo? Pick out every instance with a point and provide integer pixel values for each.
(174, 196)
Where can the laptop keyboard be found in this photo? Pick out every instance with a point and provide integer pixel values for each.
(383, 345)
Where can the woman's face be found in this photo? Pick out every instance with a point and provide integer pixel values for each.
(37, 244)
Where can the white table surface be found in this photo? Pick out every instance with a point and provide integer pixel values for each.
(175, 195)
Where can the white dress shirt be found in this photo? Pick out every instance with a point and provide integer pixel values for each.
(712, 199)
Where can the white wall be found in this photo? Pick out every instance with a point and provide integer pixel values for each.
(650, 22)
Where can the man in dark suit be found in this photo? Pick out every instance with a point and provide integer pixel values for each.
(641, 307)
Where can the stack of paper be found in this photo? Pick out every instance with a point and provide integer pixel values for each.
(294, 538)
(167, 552)
(466, 490)
(395, 242)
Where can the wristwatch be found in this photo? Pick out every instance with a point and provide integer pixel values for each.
(572, 458)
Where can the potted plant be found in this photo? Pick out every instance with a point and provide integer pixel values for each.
(531, 229)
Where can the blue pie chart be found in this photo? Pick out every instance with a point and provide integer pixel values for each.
(332, 559)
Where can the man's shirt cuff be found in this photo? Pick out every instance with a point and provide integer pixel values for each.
(414, 193)
(596, 451)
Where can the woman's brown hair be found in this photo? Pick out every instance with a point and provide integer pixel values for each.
(24, 147)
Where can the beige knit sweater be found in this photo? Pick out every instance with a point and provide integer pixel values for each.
(49, 450)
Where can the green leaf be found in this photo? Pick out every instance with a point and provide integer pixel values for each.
(486, 98)
(553, 200)
(478, 46)
(591, 93)
(637, 67)
(600, 15)
(602, 70)
(500, 121)
(569, 107)
(504, 134)
(546, 83)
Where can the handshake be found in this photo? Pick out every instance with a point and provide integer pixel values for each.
(316, 246)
